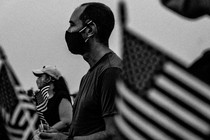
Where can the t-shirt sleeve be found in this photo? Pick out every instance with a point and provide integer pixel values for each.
(108, 90)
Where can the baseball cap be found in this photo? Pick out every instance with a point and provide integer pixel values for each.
(50, 70)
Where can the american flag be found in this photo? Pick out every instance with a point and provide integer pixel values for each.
(41, 101)
(16, 108)
(158, 98)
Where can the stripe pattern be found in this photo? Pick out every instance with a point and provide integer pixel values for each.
(16, 109)
(42, 100)
(158, 98)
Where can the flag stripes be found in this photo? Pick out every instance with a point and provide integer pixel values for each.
(127, 131)
(193, 84)
(22, 123)
(146, 116)
(173, 111)
(42, 100)
(182, 97)
(145, 127)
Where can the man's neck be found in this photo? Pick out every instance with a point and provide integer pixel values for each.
(96, 53)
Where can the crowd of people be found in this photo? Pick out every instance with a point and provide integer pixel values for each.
(91, 116)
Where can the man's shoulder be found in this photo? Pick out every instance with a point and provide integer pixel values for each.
(110, 60)
(113, 60)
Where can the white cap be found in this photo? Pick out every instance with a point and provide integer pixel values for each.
(50, 70)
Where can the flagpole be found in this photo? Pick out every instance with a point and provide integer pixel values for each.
(122, 21)
(2, 54)
(122, 11)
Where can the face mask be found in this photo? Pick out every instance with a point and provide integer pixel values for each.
(76, 43)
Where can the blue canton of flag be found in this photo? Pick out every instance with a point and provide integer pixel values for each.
(158, 98)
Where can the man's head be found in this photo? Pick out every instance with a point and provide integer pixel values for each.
(89, 21)
(102, 16)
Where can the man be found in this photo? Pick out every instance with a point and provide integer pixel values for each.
(93, 112)
(194, 9)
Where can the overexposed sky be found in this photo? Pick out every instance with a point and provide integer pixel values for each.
(32, 34)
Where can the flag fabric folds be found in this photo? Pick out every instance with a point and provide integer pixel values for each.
(158, 98)
(17, 111)
(41, 103)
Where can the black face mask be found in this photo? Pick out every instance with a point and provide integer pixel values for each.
(76, 43)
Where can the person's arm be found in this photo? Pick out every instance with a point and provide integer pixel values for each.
(53, 136)
(65, 113)
(110, 133)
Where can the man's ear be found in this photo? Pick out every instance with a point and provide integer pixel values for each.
(91, 29)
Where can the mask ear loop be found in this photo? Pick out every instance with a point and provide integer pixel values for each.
(86, 27)
(89, 22)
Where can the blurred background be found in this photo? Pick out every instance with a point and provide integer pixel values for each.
(32, 35)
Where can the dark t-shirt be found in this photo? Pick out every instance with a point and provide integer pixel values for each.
(52, 112)
(95, 99)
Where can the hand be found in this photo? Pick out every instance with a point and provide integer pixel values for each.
(51, 130)
(44, 127)
(53, 136)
